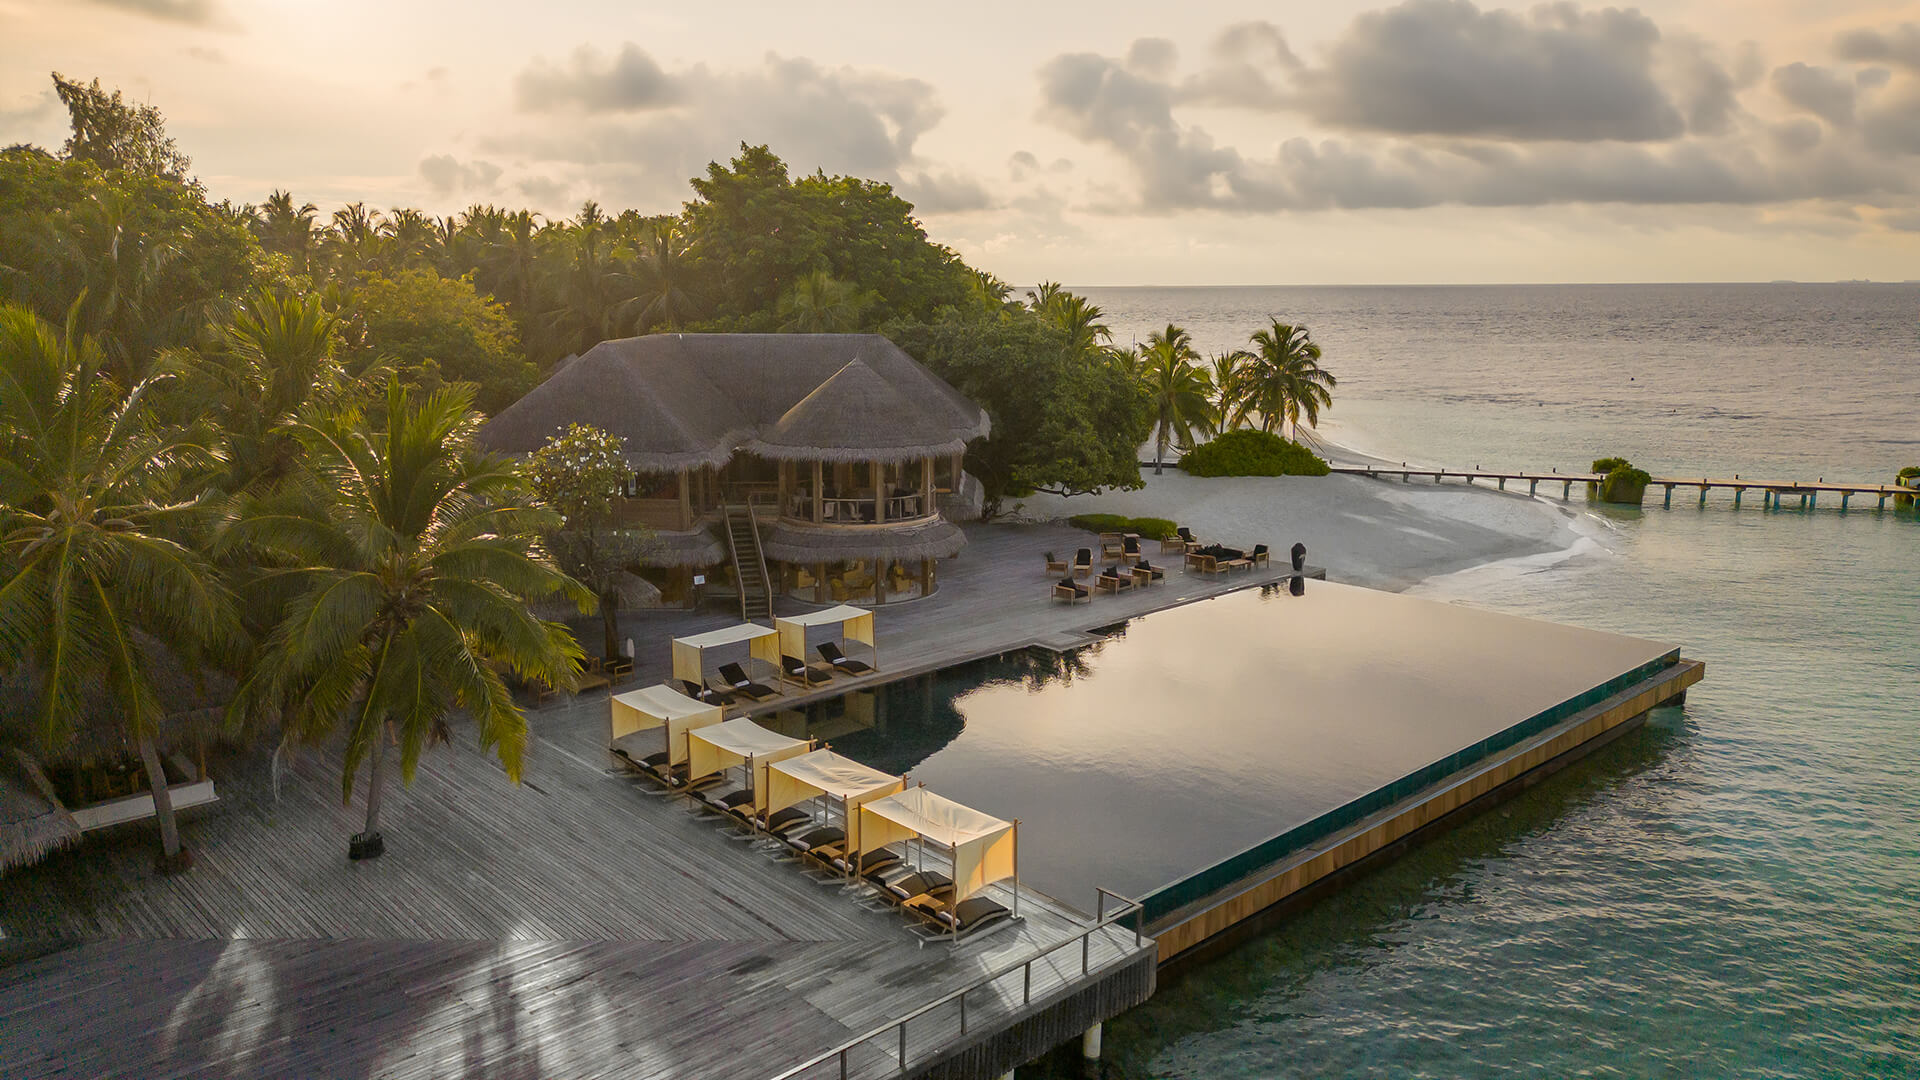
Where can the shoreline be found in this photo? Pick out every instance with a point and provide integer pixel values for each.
(1395, 537)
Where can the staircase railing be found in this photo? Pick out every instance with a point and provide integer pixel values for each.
(760, 553)
(733, 553)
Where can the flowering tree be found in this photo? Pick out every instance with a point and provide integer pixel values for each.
(577, 475)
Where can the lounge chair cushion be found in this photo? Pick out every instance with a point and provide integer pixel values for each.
(972, 912)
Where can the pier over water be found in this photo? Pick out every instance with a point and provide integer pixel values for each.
(1774, 493)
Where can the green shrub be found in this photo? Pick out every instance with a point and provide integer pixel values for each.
(1252, 453)
(1908, 473)
(1605, 465)
(1152, 527)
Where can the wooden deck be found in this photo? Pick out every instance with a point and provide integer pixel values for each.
(572, 925)
(1808, 491)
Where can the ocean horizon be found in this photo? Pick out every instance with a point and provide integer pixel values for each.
(1729, 891)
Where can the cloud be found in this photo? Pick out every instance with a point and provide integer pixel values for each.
(447, 175)
(1444, 67)
(192, 12)
(1872, 78)
(1893, 127)
(1152, 56)
(1816, 90)
(1174, 165)
(543, 190)
(1900, 45)
(1245, 57)
(205, 55)
(1022, 164)
(643, 129)
(28, 112)
(628, 80)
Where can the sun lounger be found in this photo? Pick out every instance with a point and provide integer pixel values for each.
(930, 884)
(725, 802)
(874, 862)
(1056, 566)
(973, 914)
(706, 693)
(781, 822)
(841, 662)
(735, 678)
(824, 836)
(798, 670)
(1070, 591)
(1083, 562)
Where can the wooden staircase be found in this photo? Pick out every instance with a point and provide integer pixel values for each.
(749, 563)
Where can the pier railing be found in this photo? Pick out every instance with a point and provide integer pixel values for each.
(898, 1027)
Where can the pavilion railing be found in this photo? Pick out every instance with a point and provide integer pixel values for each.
(898, 1027)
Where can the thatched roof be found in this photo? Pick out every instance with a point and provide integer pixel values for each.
(32, 823)
(857, 416)
(935, 539)
(695, 547)
(686, 400)
(195, 705)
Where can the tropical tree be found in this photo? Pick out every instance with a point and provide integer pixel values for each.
(407, 560)
(1226, 375)
(1284, 379)
(97, 588)
(286, 228)
(663, 278)
(1178, 390)
(275, 357)
(113, 134)
(818, 303)
(1079, 320)
(576, 475)
(589, 287)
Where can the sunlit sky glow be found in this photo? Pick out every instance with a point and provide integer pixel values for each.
(1112, 143)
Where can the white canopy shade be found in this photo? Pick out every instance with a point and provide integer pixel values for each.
(824, 772)
(985, 848)
(741, 742)
(856, 624)
(660, 706)
(690, 664)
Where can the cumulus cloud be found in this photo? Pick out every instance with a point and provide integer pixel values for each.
(628, 80)
(643, 129)
(192, 12)
(1022, 164)
(543, 190)
(447, 175)
(1816, 90)
(1893, 127)
(1900, 45)
(1152, 56)
(1175, 165)
(1446, 67)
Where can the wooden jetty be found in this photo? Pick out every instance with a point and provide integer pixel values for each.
(1774, 493)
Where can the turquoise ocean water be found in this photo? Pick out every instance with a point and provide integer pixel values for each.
(1734, 890)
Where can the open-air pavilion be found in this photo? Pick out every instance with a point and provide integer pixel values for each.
(856, 624)
(731, 743)
(984, 849)
(762, 642)
(843, 782)
(659, 706)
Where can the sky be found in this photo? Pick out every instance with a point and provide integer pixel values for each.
(1118, 143)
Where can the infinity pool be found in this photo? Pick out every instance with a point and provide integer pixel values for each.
(1192, 734)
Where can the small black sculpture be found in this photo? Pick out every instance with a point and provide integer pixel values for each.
(1299, 557)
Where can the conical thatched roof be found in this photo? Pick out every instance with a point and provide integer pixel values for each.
(858, 416)
(32, 823)
(686, 400)
(935, 539)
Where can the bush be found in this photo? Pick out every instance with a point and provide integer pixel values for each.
(1908, 473)
(1605, 465)
(1152, 527)
(1252, 453)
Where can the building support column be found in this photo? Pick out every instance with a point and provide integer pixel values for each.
(1090, 1044)
(786, 487)
(879, 492)
(926, 487)
(819, 476)
(686, 502)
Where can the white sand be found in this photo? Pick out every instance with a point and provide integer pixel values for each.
(1382, 534)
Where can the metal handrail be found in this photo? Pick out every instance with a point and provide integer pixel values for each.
(733, 554)
(1102, 920)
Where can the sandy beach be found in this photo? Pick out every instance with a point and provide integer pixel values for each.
(1382, 534)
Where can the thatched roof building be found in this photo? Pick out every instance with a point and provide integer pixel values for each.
(687, 400)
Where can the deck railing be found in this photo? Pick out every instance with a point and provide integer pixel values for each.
(1102, 920)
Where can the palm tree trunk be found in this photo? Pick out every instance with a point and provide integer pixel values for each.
(171, 859)
(369, 844)
(610, 624)
(1160, 452)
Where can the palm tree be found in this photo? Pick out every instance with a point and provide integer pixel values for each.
(1076, 318)
(1284, 378)
(354, 238)
(1042, 297)
(1177, 387)
(661, 271)
(99, 253)
(1226, 375)
(410, 238)
(408, 560)
(97, 591)
(286, 228)
(590, 288)
(819, 303)
(276, 358)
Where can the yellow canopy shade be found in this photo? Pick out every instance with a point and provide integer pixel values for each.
(660, 706)
(856, 624)
(985, 848)
(824, 772)
(741, 742)
(763, 643)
